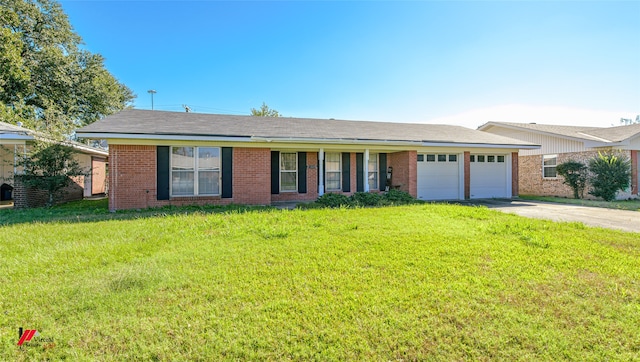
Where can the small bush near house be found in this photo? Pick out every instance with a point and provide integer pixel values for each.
(575, 176)
(610, 173)
(398, 197)
(366, 199)
(333, 200)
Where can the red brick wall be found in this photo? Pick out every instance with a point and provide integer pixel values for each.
(514, 174)
(312, 183)
(26, 197)
(405, 171)
(531, 181)
(252, 176)
(132, 179)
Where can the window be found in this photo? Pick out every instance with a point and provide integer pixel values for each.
(472, 158)
(453, 158)
(491, 158)
(442, 158)
(431, 158)
(500, 158)
(195, 171)
(420, 158)
(372, 169)
(480, 158)
(288, 171)
(549, 166)
(333, 171)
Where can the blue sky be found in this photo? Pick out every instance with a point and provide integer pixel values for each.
(454, 62)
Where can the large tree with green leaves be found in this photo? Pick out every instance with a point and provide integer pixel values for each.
(47, 81)
(265, 111)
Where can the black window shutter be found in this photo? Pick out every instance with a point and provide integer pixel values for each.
(359, 174)
(227, 172)
(302, 172)
(162, 172)
(275, 172)
(382, 173)
(346, 172)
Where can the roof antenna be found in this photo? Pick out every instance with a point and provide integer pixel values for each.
(186, 108)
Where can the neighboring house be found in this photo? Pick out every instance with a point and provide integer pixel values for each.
(562, 143)
(168, 158)
(15, 141)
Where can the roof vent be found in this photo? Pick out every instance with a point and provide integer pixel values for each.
(532, 123)
(19, 124)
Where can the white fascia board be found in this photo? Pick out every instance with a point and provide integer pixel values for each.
(15, 136)
(295, 140)
(337, 141)
(480, 145)
(100, 136)
(390, 142)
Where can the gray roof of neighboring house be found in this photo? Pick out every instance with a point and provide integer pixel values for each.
(11, 128)
(159, 123)
(603, 134)
(28, 134)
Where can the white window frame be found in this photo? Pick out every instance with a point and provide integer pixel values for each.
(327, 172)
(281, 171)
(544, 167)
(196, 169)
(376, 185)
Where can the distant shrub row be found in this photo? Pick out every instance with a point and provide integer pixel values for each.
(363, 199)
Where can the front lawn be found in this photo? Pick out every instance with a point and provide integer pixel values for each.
(422, 282)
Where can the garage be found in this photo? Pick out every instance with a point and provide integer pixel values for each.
(439, 176)
(490, 176)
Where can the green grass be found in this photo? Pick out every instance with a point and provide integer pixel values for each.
(633, 205)
(422, 282)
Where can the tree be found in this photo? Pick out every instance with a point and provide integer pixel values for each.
(610, 174)
(575, 176)
(265, 111)
(49, 167)
(46, 80)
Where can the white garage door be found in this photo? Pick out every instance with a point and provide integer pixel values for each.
(438, 176)
(489, 176)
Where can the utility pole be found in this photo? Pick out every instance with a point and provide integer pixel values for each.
(152, 92)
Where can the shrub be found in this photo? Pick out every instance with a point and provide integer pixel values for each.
(333, 200)
(398, 197)
(366, 199)
(575, 176)
(610, 174)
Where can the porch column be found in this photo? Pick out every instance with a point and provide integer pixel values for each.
(321, 172)
(467, 175)
(365, 173)
(634, 172)
(15, 160)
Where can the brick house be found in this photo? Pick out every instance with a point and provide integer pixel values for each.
(16, 141)
(170, 158)
(562, 143)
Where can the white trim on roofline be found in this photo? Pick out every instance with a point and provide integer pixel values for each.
(15, 136)
(297, 140)
(159, 137)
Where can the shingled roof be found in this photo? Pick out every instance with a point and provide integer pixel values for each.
(148, 124)
(601, 134)
(12, 132)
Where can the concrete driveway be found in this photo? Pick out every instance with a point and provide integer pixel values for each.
(592, 216)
